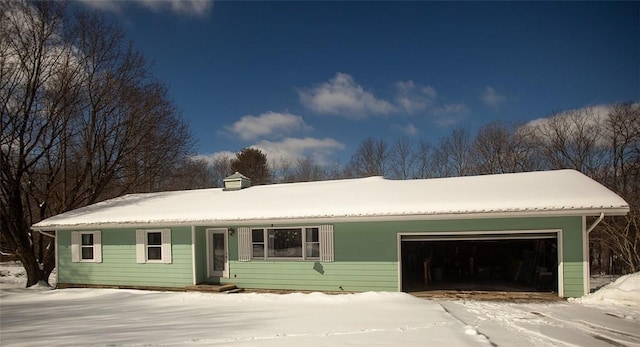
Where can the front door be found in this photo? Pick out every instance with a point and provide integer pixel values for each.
(217, 254)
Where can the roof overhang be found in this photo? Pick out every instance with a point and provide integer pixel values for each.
(343, 219)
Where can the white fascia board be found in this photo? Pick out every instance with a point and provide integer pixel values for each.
(344, 219)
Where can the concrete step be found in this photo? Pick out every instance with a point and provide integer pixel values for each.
(213, 288)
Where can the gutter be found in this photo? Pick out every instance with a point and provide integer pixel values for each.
(336, 219)
(597, 221)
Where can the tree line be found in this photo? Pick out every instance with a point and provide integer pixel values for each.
(603, 144)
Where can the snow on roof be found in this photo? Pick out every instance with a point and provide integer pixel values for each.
(563, 192)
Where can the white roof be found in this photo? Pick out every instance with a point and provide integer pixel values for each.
(563, 192)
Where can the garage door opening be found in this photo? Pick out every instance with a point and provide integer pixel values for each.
(490, 262)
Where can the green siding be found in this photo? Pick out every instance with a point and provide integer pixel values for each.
(366, 257)
(119, 266)
(309, 275)
(201, 255)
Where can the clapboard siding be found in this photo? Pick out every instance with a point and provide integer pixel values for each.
(119, 267)
(300, 275)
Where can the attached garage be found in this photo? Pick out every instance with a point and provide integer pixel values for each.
(487, 261)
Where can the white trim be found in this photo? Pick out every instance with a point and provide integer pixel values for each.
(193, 255)
(560, 246)
(558, 232)
(209, 238)
(344, 219)
(399, 252)
(57, 259)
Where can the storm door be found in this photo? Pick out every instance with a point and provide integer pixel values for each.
(217, 253)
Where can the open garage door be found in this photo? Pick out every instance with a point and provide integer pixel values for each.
(481, 261)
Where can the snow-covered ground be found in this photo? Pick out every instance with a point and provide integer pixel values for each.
(106, 317)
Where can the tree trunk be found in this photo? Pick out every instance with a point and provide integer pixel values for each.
(35, 272)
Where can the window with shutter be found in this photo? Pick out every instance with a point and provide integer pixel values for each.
(86, 246)
(153, 246)
(306, 243)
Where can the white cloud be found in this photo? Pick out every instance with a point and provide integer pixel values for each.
(320, 150)
(492, 98)
(211, 158)
(270, 123)
(342, 96)
(450, 114)
(197, 8)
(408, 129)
(413, 98)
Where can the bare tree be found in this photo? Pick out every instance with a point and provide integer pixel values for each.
(82, 121)
(307, 170)
(499, 148)
(452, 157)
(402, 159)
(572, 139)
(370, 159)
(621, 235)
(221, 168)
(423, 160)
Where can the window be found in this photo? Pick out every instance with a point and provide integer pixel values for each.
(312, 243)
(284, 243)
(86, 246)
(257, 241)
(153, 246)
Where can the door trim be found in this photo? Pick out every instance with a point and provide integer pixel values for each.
(210, 271)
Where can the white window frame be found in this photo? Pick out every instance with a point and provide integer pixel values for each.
(303, 230)
(142, 237)
(76, 246)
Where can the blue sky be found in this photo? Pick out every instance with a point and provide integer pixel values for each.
(314, 79)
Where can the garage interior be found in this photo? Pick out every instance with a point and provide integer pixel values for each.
(513, 263)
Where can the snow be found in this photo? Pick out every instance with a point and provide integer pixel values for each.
(548, 192)
(624, 291)
(110, 317)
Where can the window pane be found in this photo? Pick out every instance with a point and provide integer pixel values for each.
(312, 235)
(258, 250)
(87, 252)
(154, 253)
(285, 243)
(87, 239)
(257, 235)
(154, 239)
(312, 250)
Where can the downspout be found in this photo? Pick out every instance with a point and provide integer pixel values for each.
(593, 226)
(586, 250)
